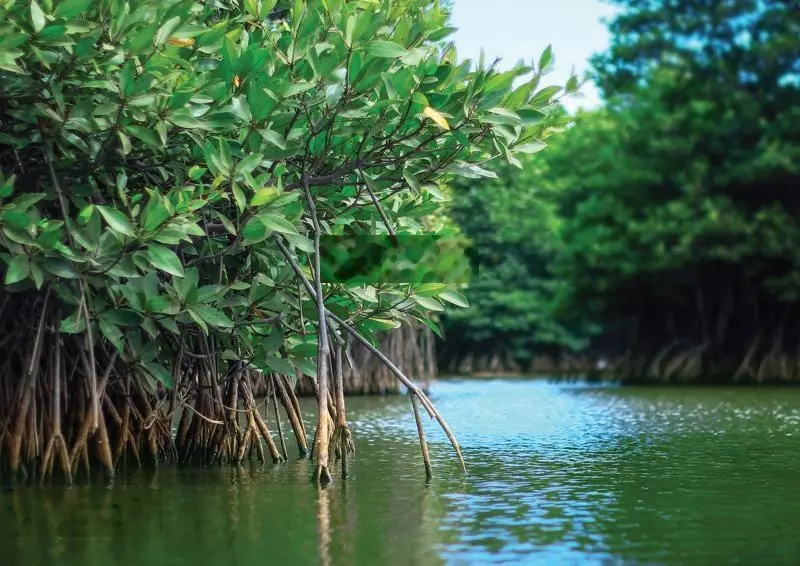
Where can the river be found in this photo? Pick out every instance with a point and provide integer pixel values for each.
(557, 474)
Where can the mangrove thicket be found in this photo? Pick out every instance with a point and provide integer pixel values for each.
(168, 174)
(661, 231)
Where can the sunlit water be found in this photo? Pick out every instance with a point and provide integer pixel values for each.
(558, 474)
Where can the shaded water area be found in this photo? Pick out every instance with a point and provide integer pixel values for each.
(558, 474)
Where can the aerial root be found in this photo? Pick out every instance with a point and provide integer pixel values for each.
(327, 315)
(343, 446)
(426, 457)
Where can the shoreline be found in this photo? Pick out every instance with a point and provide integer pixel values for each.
(608, 380)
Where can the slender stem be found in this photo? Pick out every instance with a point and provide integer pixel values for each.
(278, 420)
(377, 204)
(322, 475)
(426, 457)
(92, 365)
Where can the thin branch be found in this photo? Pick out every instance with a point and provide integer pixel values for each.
(376, 202)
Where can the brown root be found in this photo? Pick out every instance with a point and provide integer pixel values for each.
(426, 457)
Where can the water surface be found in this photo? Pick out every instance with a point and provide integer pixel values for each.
(558, 474)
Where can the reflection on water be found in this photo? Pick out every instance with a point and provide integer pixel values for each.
(557, 475)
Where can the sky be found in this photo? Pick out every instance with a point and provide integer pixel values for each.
(521, 29)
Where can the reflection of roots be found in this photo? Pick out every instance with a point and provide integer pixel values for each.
(323, 527)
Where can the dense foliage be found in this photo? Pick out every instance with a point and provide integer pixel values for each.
(168, 170)
(676, 203)
(513, 229)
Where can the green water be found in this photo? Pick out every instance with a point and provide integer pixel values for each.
(558, 474)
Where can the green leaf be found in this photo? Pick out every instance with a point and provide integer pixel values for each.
(207, 293)
(242, 109)
(199, 321)
(187, 287)
(125, 141)
(37, 17)
(430, 289)
(116, 220)
(73, 324)
(160, 373)
(161, 257)
(532, 147)
(265, 196)
(429, 303)
(300, 242)
(36, 274)
(85, 215)
(60, 268)
(166, 29)
(279, 365)
(68, 9)
(127, 79)
(212, 316)
(155, 213)
(17, 270)
(146, 135)
(455, 298)
(7, 187)
(380, 324)
(387, 49)
(544, 96)
(112, 332)
(121, 317)
(412, 181)
(254, 232)
(25, 201)
(249, 163)
(15, 218)
(430, 324)
(238, 196)
(472, 171)
(306, 366)
(274, 138)
(419, 98)
(277, 223)
(546, 58)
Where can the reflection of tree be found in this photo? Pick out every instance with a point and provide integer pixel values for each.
(380, 516)
(246, 515)
(323, 527)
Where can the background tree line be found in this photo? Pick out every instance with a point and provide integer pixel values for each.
(659, 231)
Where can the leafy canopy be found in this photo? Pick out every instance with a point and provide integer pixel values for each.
(153, 156)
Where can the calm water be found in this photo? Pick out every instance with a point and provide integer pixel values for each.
(558, 474)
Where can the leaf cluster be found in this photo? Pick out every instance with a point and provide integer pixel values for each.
(153, 154)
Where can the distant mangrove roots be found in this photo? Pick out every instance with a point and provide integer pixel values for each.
(495, 363)
(764, 361)
(411, 346)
